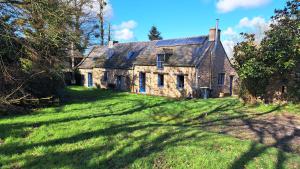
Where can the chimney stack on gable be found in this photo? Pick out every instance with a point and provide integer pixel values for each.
(213, 34)
(112, 43)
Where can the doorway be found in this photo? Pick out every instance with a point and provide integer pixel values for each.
(119, 83)
(90, 80)
(142, 82)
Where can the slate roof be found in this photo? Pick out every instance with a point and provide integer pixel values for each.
(67, 62)
(183, 41)
(185, 52)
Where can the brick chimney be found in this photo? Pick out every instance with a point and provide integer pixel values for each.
(213, 33)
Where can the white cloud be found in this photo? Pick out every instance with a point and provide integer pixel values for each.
(230, 32)
(123, 34)
(228, 46)
(108, 11)
(124, 31)
(256, 25)
(94, 9)
(131, 24)
(224, 6)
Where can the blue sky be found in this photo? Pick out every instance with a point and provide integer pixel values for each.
(132, 19)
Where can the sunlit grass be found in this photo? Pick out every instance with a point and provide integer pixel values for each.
(105, 129)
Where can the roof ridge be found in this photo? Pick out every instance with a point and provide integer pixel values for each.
(185, 37)
(94, 46)
(134, 42)
(164, 39)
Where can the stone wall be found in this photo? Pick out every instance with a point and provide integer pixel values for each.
(129, 79)
(221, 64)
(112, 75)
(170, 81)
(99, 82)
(84, 73)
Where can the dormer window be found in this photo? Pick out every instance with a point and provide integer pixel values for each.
(130, 54)
(160, 61)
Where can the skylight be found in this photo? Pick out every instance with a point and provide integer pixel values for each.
(130, 54)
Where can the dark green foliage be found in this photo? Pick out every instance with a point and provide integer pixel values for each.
(276, 57)
(281, 47)
(253, 72)
(35, 37)
(154, 34)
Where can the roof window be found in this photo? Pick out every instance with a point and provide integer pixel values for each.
(130, 54)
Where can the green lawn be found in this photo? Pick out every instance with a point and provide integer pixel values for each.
(104, 129)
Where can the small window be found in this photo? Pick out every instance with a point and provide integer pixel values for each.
(105, 76)
(180, 81)
(130, 55)
(160, 80)
(160, 61)
(221, 78)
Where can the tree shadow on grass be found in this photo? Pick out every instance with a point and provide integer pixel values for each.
(121, 157)
(12, 128)
(17, 129)
(258, 124)
(256, 150)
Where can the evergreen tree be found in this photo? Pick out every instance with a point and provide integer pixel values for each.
(154, 34)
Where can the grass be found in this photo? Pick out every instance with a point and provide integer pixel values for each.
(105, 129)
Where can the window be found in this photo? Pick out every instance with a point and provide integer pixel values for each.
(105, 76)
(160, 80)
(221, 78)
(160, 60)
(130, 55)
(180, 81)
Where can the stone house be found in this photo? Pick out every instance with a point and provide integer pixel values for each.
(183, 67)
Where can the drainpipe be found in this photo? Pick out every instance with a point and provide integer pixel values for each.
(197, 79)
(197, 82)
(133, 80)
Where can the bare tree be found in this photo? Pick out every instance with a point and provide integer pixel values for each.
(102, 4)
